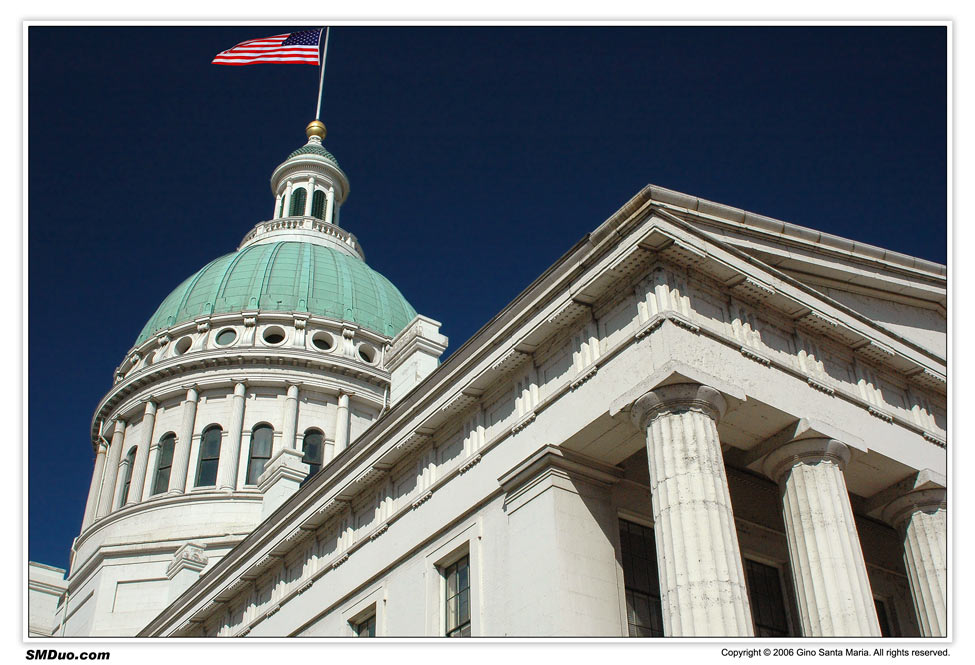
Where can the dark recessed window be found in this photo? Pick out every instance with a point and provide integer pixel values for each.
(322, 341)
(367, 353)
(261, 440)
(313, 443)
(766, 599)
(127, 478)
(318, 205)
(206, 467)
(281, 207)
(640, 580)
(164, 463)
(366, 627)
(298, 201)
(226, 336)
(458, 597)
(183, 345)
(274, 335)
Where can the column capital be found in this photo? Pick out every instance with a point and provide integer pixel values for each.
(901, 509)
(678, 397)
(118, 426)
(240, 387)
(805, 451)
(102, 446)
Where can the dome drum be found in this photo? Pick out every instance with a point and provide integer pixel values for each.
(313, 348)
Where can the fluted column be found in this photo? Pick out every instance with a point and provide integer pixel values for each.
(830, 575)
(311, 195)
(342, 423)
(111, 469)
(702, 582)
(289, 429)
(230, 456)
(329, 205)
(287, 200)
(181, 455)
(142, 456)
(922, 518)
(96, 482)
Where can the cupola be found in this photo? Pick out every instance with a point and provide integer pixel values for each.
(309, 183)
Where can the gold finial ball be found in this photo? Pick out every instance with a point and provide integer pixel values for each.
(315, 128)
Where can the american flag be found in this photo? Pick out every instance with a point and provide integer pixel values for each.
(292, 47)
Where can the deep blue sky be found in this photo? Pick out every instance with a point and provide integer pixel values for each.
(477, 157)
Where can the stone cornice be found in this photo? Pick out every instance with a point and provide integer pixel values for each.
(792, 234)
(208, 370)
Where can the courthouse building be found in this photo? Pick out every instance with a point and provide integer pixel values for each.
(698, 422)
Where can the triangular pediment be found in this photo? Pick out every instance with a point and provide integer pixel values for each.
(903, 294)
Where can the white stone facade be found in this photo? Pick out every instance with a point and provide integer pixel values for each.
(767, 399)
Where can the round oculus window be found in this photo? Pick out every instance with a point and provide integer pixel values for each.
(274, 335)
(183, 345)
(226, 336)
(367, 353)
(322, 341)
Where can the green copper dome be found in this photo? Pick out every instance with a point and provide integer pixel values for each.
(287, 277)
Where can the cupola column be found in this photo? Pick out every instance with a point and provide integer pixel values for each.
(329, 204)
(830, 575)
(342, 423)
(311, 195)
(142, 456)
(96, 483)
(289, 430)
(111, 469)
(230, 458)
(922, 518)
(181, 455)
(702, 582)
(287, 200)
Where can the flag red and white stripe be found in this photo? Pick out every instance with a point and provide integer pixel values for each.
(299, 47)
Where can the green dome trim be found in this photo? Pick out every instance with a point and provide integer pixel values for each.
(287, 277)
(314, 149)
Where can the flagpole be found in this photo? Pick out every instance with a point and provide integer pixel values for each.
(321, 81)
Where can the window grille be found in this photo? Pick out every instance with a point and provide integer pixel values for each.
(318, 205)
(164, 464)
(767, 600)
(313, 444)
(458, 598)
(209, 461)
(127, 478)
(298, 201)
(640, 580)
(261, 440)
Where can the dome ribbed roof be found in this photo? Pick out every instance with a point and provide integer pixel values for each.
(314, 149)
(287, 277)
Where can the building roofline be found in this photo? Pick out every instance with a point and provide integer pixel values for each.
(743, 220)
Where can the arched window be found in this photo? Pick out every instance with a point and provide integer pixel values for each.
(206, 468)
(164, 463)
(261, 439)
(318, 205)
(127, 477)
(314, 443)
(298, 201)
